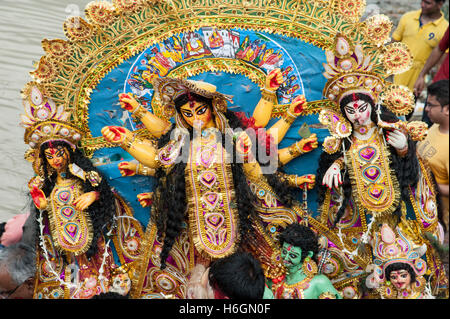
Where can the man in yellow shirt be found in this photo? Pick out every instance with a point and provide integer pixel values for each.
(421, 30)
(435, 148)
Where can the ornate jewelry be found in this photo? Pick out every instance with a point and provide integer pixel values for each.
(138, 113)
(282, 290)
(376, 185)
(210, 193)
(331, 144)
(269, 95)
(309, 267)
(327, 295)
(128, 142)
(337, 125)
(143, 170)
(44, 121)
(364, 129)
(71, 229)
(340, 162)
(288, 117)
(94, 178)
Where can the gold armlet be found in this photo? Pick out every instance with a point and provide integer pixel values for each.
(288, 117)
(269, 95)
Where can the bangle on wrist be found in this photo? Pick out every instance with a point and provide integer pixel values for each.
(288, 117)
(403, 151)
(295, 150)
(127, 142)
(269, 95)
(340, 163)
(138, 113)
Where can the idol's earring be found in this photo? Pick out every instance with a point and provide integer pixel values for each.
(309, 267)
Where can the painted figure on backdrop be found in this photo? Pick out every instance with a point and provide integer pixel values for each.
(76, 206)
(369, 170)
(198, 172)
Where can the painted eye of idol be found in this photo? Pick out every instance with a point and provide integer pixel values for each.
(354, 107)
(199, 110)
(52, 152)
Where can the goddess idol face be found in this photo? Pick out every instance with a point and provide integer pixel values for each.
(197, 114)
(401, 279)
(358, 112)
(57, 157)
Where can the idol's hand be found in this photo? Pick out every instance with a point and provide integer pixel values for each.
(128, 102)
(243, 144)
(298, 105)
(309, 180)
(127, 168)
(85, 200)
(274, 79)
(332, 176)
(306, 145)
(145, 199)
(38, 196)
(116, 134)
(34, 185)
(397, 139)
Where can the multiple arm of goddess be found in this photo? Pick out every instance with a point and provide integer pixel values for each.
(145, 153)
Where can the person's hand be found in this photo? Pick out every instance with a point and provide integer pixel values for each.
(85, 200)
(116, 134)
(128, 102)
(298, 105)
(419, 85)
(127, 168)
(145, 199)
(308, 144)
(397, 139)
(274, 79)
(332, 176)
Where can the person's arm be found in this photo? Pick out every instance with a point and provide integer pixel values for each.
(432, 60)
